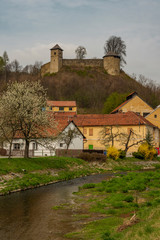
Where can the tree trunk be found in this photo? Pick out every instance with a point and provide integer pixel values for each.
(26, 153)
(112, 137)
(10, 150)
(128, 139)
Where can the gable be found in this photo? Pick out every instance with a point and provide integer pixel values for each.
(136, 104)
(154, 117)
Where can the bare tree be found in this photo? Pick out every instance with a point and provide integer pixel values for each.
(108, 134)
(117, 46)
(80, 52)
(6, 62)
(68, 135)
(131, 139)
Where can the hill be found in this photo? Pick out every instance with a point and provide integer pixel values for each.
(91, 86)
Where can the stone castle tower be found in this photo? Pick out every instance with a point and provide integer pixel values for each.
(110, 62)
(56, 59)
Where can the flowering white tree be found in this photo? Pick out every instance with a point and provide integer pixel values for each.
(24, 103)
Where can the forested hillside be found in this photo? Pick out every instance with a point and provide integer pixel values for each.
(89, 86)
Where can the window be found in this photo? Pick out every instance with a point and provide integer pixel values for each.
(61, 144)
(70, 108)
(35, 146)
(61, 108)
(54, 53)
(50, 108)
(155, 116)
(145, 114)
(91, 132)
(90, 147)
(85, 130)
(16, 146)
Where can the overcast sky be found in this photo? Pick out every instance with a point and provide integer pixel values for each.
(29, 28)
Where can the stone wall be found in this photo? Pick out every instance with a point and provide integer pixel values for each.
(83, 62)
(112, 64)
(45, 68)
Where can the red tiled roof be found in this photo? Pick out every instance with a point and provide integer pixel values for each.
(61, 103)
(65, 114)
(121, 119)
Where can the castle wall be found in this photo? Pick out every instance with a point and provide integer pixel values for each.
(45, 68)
(83, 62)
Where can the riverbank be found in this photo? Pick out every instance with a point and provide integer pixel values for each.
(124, 207)
(18, 174)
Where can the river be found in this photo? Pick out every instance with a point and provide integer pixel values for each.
(29, 215)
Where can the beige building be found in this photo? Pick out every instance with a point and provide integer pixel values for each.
(110, 62)
(135, 104)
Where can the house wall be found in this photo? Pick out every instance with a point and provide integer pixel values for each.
(154, 117)
(95, 140)
(136, 104)
(47, 147)
(66, 109)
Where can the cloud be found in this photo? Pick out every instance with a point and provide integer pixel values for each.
(40, 52)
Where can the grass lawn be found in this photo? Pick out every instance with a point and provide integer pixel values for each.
(21, 173)
(124, 207)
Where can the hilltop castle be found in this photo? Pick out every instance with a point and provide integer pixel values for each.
(110, 62)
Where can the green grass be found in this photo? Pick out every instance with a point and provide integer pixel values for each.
(66, 168)
(19, 164)
(118, 199)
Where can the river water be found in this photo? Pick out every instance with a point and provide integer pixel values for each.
(29, 215)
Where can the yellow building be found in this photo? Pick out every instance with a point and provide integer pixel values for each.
(154, 117)
(62, 107)
(98, 127)
(135, 104)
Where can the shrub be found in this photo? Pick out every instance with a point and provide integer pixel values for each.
(122, 154)
(138, 155)
(147, 151)
(3, 152)
(113, 153)
(129, 198)
(92, 157)
(88, 185)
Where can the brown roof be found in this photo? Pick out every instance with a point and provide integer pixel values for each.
(61, 103)
(56, 47)
(121, 119)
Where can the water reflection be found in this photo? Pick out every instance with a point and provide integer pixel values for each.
(29, 216)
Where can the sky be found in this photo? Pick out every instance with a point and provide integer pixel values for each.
(29, 28)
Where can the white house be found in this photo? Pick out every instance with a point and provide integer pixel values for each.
(70, 138)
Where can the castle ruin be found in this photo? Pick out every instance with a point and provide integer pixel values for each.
(110, 62)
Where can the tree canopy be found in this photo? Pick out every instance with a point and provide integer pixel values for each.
(113, 101)
(24, 103)
(80, 52)
(116, 45)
